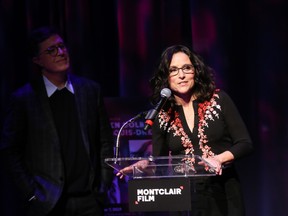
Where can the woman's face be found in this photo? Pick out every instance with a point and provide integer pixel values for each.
(181, 77)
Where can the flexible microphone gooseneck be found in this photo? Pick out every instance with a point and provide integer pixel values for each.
(119, 133)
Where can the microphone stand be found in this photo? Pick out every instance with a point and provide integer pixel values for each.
(119, 133)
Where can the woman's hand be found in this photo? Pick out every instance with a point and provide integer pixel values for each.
(214, 163)
(126, 170)
(218, 161)
(140, 165)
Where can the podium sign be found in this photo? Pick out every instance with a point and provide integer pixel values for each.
(169, 194)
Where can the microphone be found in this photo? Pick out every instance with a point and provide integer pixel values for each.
(165, 94)
(120, 130)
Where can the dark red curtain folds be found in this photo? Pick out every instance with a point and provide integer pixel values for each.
(118, 43)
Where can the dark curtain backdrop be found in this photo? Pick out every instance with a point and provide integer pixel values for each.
(118, 43)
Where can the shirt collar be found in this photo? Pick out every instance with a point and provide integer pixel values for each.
(51, 88)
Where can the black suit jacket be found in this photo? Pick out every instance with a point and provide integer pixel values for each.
(31, 148)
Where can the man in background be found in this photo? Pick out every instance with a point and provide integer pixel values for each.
(56, 136)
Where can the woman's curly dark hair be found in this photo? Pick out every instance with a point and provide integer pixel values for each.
(204, 75)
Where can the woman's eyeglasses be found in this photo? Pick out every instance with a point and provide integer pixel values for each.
(187, 69)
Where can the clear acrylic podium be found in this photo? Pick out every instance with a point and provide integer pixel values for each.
(157, 183)
(163, 166)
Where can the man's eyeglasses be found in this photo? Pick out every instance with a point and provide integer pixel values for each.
(187, 69)
(53, 50)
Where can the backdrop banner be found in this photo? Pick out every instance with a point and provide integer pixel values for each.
(134, 142)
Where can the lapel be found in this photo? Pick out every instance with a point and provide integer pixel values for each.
(81, 106)
(42, 100)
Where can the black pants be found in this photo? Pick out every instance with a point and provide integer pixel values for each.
(84, 205)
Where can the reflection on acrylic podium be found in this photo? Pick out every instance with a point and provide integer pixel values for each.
(161, 183)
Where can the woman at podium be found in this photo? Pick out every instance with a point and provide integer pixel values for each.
(200, 119)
